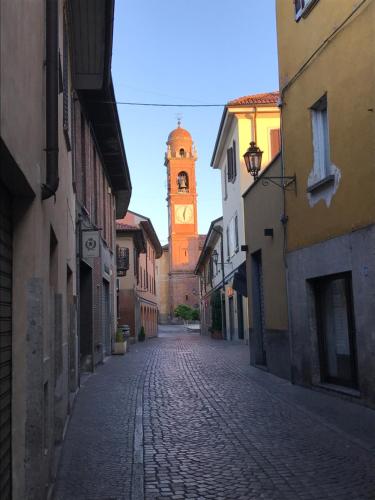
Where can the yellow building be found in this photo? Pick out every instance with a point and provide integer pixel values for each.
(327, 87)
(249, 118)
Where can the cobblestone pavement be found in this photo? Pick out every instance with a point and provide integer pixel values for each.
(183, 417)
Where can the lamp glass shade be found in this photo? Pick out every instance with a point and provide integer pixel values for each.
(215, 257)
(253, 159)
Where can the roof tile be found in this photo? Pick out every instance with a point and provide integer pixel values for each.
(265, 98)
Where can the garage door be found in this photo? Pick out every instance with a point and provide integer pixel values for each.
(5, 343)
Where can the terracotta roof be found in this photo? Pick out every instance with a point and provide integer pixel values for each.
(125, 227)
(266, 98)
(179, 133)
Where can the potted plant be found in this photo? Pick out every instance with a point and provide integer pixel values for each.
(120, 345)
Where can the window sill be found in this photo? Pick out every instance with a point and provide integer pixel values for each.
(329, 179)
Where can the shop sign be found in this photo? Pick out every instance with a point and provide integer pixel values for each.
(90, 244)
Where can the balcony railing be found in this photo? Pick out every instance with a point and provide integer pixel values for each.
(122, 260)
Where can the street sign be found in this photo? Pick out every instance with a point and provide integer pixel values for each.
(90, 244)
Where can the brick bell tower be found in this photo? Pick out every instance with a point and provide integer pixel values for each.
(183, 238)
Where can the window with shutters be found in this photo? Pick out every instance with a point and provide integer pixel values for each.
(303, 7)
(65, 78)
(234, 161)
(225, 182)
(83, 162)
(275, 142)
(236, 234)
(321, 144)
(231, 163)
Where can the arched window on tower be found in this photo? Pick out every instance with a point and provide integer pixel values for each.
(182, 153)
(183, 182)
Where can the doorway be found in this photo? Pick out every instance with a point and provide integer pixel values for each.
(336, 330)
(231, 318)
(258, 309)
(106, 319)
(6, 269)
(85, 318)
(240, 316)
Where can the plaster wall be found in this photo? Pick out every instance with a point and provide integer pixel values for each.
(346, 205)
(267, 203)
(41, 311)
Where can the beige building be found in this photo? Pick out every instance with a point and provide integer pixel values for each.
(210, 269)
(265, 271)
(327, 88)
(39, 331)
(162, 282)
(137, 289)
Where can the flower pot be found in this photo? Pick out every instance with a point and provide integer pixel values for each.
(120, 347)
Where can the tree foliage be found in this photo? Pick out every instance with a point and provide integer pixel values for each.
(186, 313)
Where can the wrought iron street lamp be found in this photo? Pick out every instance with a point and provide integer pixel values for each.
(253, 162)
(253, 159)
(215, 257)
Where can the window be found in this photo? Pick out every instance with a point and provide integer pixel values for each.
(83, 161)
(225, 182)
(183, 182)
(302, 7)
(336, 330)
(319, 117)
(182, 153)
(236, 233)
(275, 142)
(232, 237)
(65, 78)
(231, 162)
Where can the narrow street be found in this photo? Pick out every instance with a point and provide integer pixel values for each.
(185, 417)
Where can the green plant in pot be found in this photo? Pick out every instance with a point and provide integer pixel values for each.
(141, 334)
(120, 344)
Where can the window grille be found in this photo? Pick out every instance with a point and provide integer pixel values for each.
(122, 260)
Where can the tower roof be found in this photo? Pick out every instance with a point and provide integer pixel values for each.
(179, 133)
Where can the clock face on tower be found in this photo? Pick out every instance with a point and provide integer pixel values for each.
(184, 214)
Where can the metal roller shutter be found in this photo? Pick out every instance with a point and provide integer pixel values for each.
(5, 343)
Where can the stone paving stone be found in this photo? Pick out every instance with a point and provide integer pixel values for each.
(212, 429)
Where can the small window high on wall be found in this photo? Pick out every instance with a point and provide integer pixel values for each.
(302, 7)
(275, 142)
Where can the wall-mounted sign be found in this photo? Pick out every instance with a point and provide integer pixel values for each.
(90, 244)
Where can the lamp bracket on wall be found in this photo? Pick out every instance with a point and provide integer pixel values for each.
(288, 183)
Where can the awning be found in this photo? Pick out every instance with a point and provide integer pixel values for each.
(240, 281)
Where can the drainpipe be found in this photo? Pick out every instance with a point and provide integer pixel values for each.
(284, 221)
(52, 114)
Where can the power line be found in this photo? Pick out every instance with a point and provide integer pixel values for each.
(162, 105)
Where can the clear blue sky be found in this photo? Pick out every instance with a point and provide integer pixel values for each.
(192, 51)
